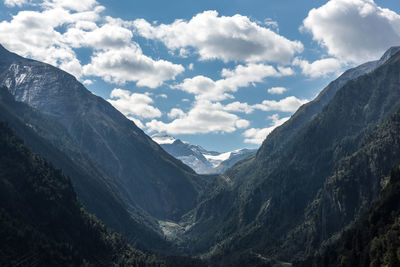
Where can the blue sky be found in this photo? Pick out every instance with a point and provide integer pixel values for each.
(221, 74)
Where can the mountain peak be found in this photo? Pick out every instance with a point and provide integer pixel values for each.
(199, 159)
(388, 54)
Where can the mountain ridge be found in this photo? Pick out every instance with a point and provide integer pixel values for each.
(268, 198)
(199, 159)
(166, 189)
(47, 138)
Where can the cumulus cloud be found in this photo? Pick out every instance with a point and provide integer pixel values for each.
(242, 76)
(204, 117)
(110, 35)
(130, 64)
(239, 107)
(234, 38)
(81, 5)
(176, 113)
(213, 117)
(288, 104)
(33, 34)
(276, 90)
(318, 68)
(13, 3)
(257, 136)
(134, 105)
(116, 57)
(354, 30)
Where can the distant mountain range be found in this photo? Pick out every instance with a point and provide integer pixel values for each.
(199, 159)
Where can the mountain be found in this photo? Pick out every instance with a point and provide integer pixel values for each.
(94, 188)
(199, 159)
(226, 160)
(141, 172)
(304, 191)
(311, 177)
(372, 240)
(43, 224)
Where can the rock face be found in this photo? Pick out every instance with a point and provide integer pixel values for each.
(144, 174)
(280, 139)
(311, 177)
(95, 189)
(199, 159)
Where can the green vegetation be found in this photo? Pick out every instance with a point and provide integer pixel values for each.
(44, 136)
(43, 224)
(374, 240)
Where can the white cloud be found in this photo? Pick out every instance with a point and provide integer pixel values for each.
(134, 105)
(257, 136)
(116, 57)
(36, 34)
(176, 113)
(33, 34)
(239, 107)
(80, 6)
(213, 117)
(87, 82)
(130, 64)
(276, 90)
(13, 3)
(242, 76)
(191, 66)
(271, 24)
(318, 68)
(234, 38)
(162, 96)
(354, 30)
(110, 35)
(288, 104)
(204, 117)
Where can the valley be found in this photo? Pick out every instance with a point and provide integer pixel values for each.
(245, 211)
(211, 138)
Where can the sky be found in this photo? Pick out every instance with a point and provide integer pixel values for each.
(220, 74)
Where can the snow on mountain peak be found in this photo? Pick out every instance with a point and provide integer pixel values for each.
(199, 159)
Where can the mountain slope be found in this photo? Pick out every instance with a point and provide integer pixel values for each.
(199, 159)
(144, 174)
(278, 143)
(372, 240)
(42, 223)
(93, 187)
(287, 196)
(269, 210)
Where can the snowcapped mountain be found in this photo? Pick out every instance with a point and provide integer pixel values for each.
(198, 158)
